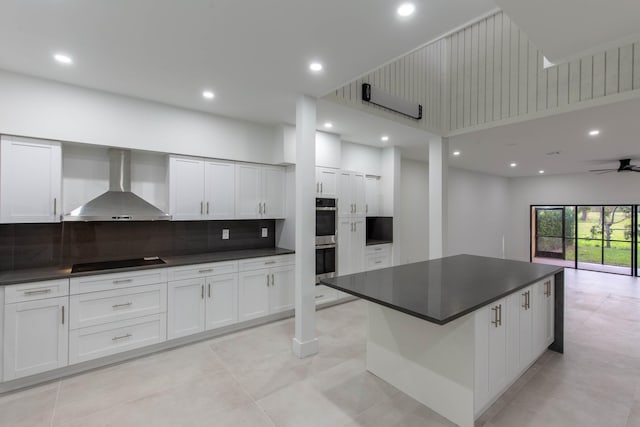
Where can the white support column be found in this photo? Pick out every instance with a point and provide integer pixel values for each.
(391, 163)
(438, 200)
(305, 342)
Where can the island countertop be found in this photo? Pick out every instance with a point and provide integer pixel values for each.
(444, 289)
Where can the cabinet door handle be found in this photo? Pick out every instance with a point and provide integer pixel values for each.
(37, 292)
(524, 304)
(273, 280)
(366, 208)
(202, 292)
(209, 290)
(259, 208)
(121, 337)
(127, 304)
(321, 190)
(264, 210)
(55, 206)
(528, 300)
(317, 187)
(201, 208)
(207, 208)
(117, 282)
(495, 316)
(63, 314)
(500, 311)
(267, 280)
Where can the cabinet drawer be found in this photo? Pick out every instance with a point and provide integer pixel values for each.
(97, 308)
(325, 294)
(379, 249)
(202, 270)
(266, 262)
(107, 282)
(376, 262)
(36, 290)
(103, 340)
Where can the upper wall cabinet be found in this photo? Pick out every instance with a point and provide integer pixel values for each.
(372, 192)
(327, 182)
(260, 191)
(201, 189)
(351, 197)
(30, 180)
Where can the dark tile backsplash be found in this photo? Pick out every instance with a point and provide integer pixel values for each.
(49, 245)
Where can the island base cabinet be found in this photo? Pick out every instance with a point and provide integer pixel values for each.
(115, 337)
(36, 337)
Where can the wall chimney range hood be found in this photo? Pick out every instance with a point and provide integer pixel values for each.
(119, 203)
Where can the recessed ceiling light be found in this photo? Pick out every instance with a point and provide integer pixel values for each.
(207, 94)
(384, 138)
(456, 153)
(315, 66)
(406, 9)
(328, 125)
(513, 165)
(540, 171)
(63, 59)
(594, 132)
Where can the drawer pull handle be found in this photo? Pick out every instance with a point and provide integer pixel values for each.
(319, 296)
(378, 262)
(206, 270)
(37, 292)
(269, 262)
(127, 304)
(122, 281)
(121, 337)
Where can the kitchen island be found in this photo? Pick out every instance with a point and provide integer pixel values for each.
(454, 333)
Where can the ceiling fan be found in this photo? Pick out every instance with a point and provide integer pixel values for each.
(625, 166)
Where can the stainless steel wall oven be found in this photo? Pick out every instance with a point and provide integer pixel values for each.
(326, 212)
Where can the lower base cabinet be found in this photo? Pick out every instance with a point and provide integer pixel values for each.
(265, 291)
(511, 334)
(201, 303)
(36, 337)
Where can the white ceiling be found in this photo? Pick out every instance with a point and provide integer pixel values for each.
(527, 143)
(356, 126)
(253, 54)
(569, 29)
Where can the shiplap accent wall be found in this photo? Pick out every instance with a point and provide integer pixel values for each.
(417, 77)
(488, 72)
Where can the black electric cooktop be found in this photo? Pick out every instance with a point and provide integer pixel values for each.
(110, 265)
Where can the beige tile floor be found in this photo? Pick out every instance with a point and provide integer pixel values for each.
(251, 379)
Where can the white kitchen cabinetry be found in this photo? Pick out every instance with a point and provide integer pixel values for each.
(327, 182)
(112, 313)
(511, 334)
(377, 256)
(351, 245)
(201, 189)
(36, 336)
(206, 299)
(372, 195)
(30, 180)
(260, 191)
(266, 286)
(325, 294)
(351, 194)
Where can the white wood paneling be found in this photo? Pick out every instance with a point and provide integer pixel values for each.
(490, 71)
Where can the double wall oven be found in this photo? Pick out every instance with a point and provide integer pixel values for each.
(326, 221)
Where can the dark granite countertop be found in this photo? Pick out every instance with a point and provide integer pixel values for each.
(372, 242)
(444, 289)
(36, 274)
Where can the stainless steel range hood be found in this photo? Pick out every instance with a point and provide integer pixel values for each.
(119, 203)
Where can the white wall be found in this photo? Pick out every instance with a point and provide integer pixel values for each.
(585, 189)
(361, 158)
(414, 230)
(45, 109)
(478, 213)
